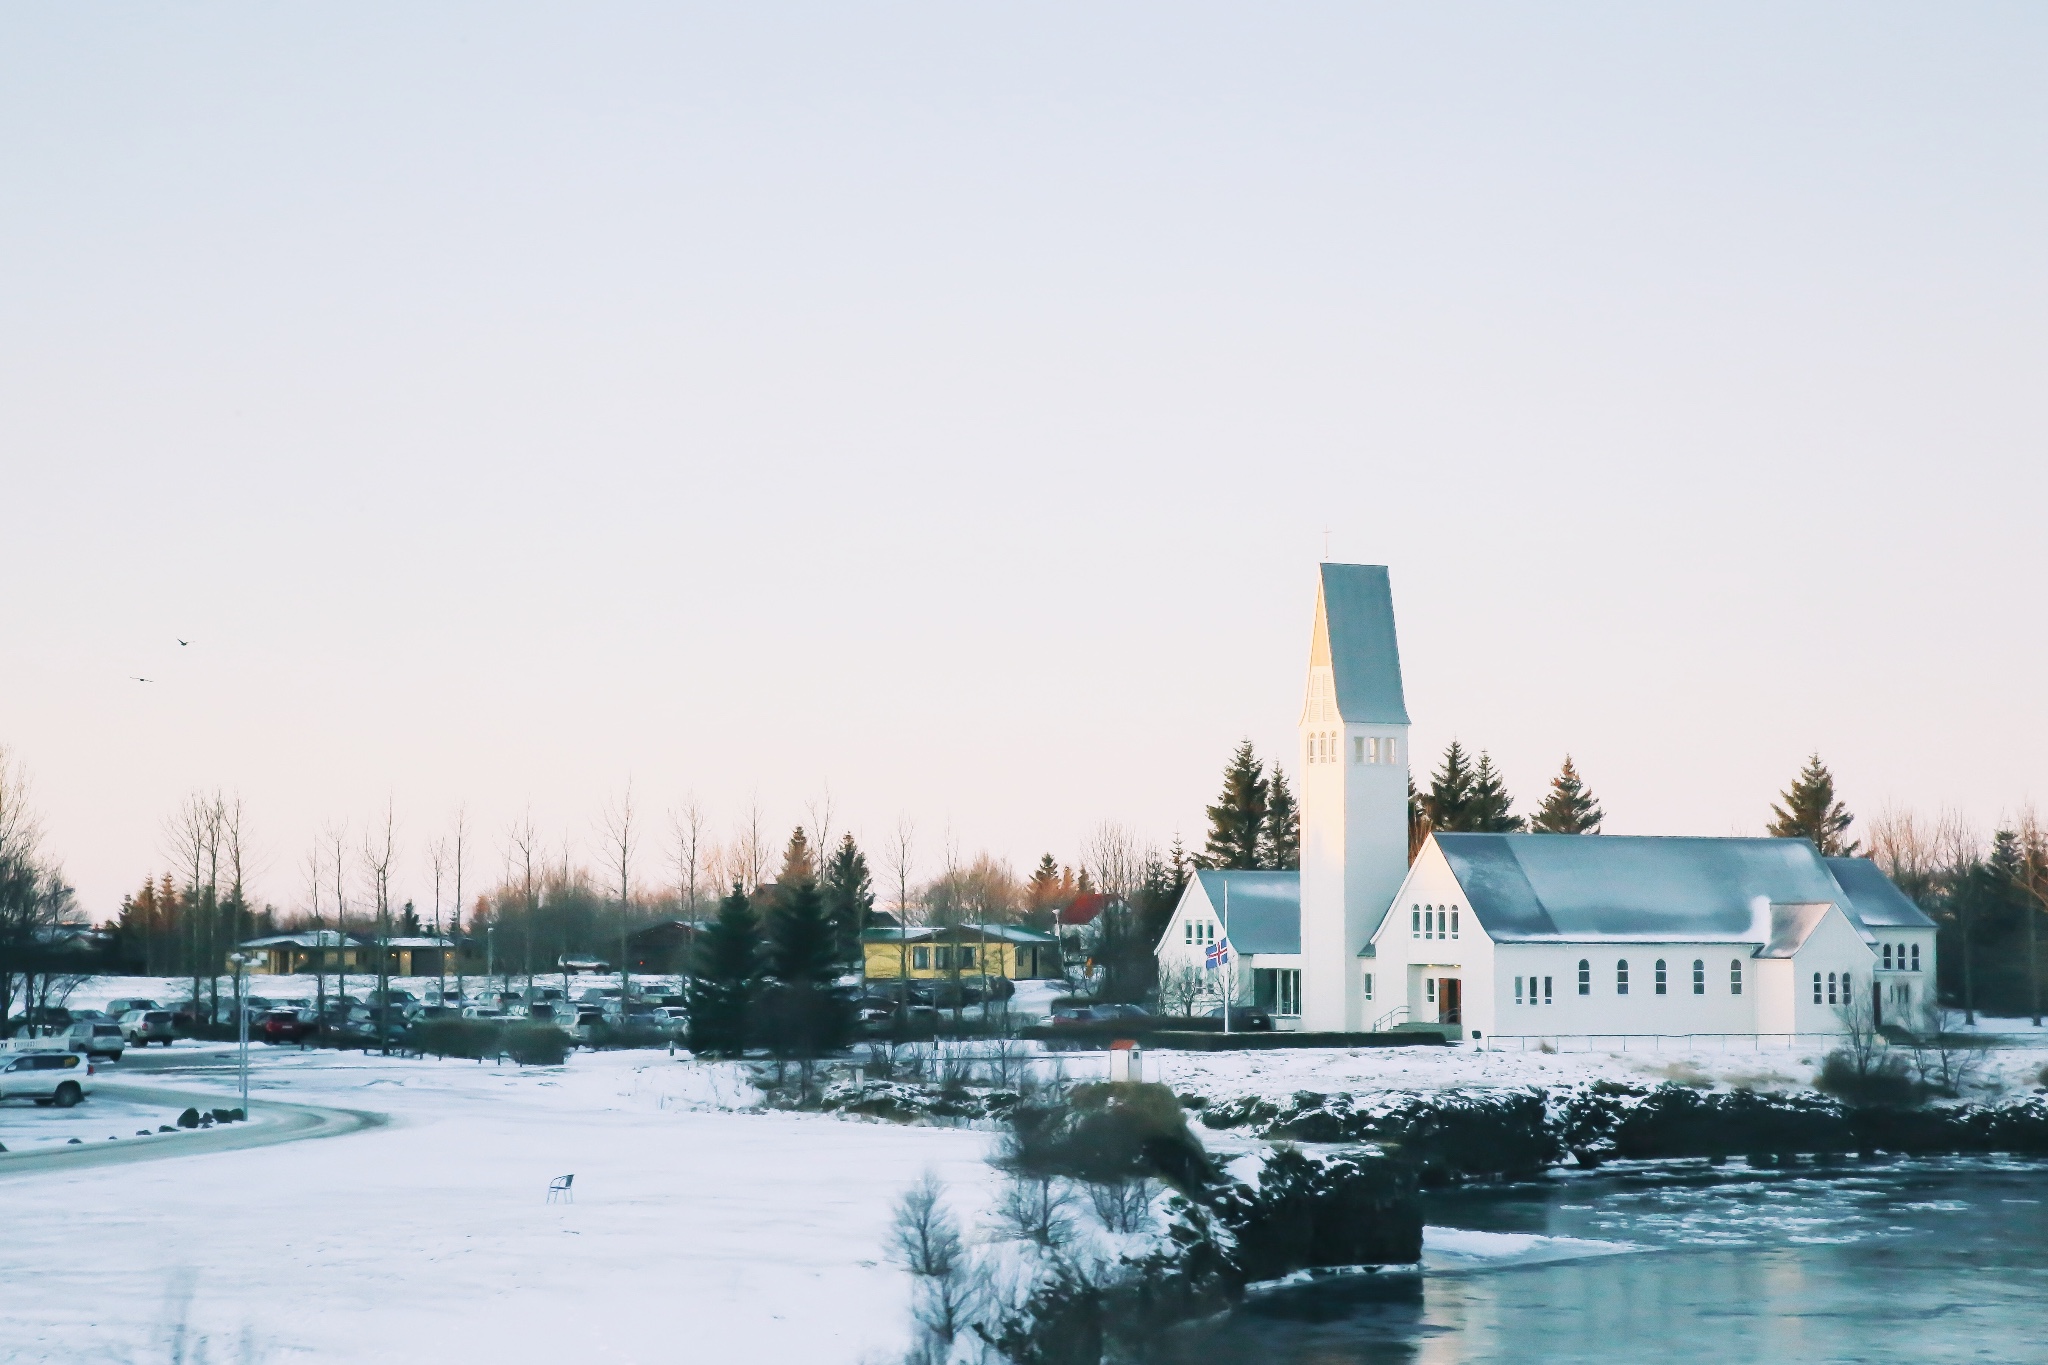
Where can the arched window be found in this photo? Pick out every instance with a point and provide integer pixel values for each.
(1454, 921)
(1887, 957)
(1621, 977)
(1916, 957)
(1429, 921)
(1847, 997)
(1660, 977)
(1816, 988)
(1734, 976)
(1415, 921)
(1585, 977)
(1699, 977)
(1831, 989)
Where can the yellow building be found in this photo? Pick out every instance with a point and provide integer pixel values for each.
(996, 950)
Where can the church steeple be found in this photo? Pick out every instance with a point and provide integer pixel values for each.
(1354, 790)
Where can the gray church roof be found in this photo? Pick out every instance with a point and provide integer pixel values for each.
(1874, 899)
(1265, 908)
(1575, 888)
(1358, 608)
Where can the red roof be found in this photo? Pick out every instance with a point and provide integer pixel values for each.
(1084, 909)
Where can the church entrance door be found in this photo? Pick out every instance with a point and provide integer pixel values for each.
(1448, 1001)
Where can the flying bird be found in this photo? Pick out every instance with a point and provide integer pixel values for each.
(184, 642)
(141, 679)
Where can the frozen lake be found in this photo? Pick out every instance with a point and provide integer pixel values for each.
(1923, 1261)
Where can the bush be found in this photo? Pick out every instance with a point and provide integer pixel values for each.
(1109, 1132)
(631, 1035)
(471, 1039)
(536, 1044)
(1884, 1081)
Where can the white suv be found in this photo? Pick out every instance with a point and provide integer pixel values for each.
(46, 1076)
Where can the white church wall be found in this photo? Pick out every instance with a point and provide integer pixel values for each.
(1834, 948)
(1604, 1008)
(1907, 991)
(1427, 932)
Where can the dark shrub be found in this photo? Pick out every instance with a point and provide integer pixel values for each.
(630, 1035)
(536, 1044)
(1884, 1081)
(189, 1119)
(1109, 1131)
(1354, 1209)
(470, 1039)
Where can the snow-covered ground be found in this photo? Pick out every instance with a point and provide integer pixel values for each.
(694, 1234)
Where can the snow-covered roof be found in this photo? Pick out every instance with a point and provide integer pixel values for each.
(317, 938)
(1355, 627)
(1874, 899)
(1575, 887)
(1002, 933)
(1264, 908)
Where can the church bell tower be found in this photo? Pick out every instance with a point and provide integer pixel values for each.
(1353, 766)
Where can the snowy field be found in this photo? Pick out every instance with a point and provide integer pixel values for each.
(694, 1234)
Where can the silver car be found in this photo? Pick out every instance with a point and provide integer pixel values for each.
(95, 1038)
(143, 1027)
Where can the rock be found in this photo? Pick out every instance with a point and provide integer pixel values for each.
(189, 1119)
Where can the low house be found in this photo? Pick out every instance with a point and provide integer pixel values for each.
(945, 952)
(1235, 933)
(315, 951)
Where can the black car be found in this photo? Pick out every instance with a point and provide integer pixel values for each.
(1244, 1019)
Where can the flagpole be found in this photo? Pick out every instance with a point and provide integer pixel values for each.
(1226, 964)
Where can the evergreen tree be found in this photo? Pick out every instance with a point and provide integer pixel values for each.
(1280, 841)
(1448, 803)
(1492, 809)
(1239, 816)
(1418, 820)
(1179, 867)
(798, 862)
(723, 994)
(802, 1017)
(1810, 811)
(849, 897)
(1042, 892)
(1568, 808)
(409, 925)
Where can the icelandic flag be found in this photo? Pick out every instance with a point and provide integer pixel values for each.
(1218, 955)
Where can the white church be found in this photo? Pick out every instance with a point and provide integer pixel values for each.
(1506, 935)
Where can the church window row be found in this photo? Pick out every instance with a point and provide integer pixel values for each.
(1199, 933)
(1662, 977)
(1895, 958)
(1841, 994)
(1533, 981)
(1322, 746)
(1432, 921)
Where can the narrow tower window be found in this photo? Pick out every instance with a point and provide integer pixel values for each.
(1916, 957)
(1621, 977)
(1734, 976)
(1546, 990)
(1585, 977)
(1699, 977)
(1660, 977)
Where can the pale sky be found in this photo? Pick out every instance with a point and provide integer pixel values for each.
(946, 406)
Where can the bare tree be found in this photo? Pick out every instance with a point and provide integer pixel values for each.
(751, 848)
(457, 854)
(925, 1240)
(820, 812)
(337, 838)
(524, 850)
(192, 840)
(1960, 851)
(686, 825)
(1036, 1208)
(901, 851)
(313, 873)
(619, 840)
(1945, 1058)
(1125, 1205)
(437, 862)
(378, 855)
(2031, 877)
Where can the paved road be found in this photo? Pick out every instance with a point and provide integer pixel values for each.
(281, 1122)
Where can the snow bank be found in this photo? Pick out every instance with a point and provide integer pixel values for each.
(1452, 1249)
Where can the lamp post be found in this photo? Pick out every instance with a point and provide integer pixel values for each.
(242, 962)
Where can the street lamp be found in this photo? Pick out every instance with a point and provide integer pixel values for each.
(242, 962)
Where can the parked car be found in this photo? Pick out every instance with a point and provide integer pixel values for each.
(122, 1005)
(1244, 1018)
(599, 994)
(93, 1017)
(95, 1039)
(438, 1012)
(141, 1027)
(289, 1025)
(1070, 1016)
(46, 1076)
(41, 1019)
